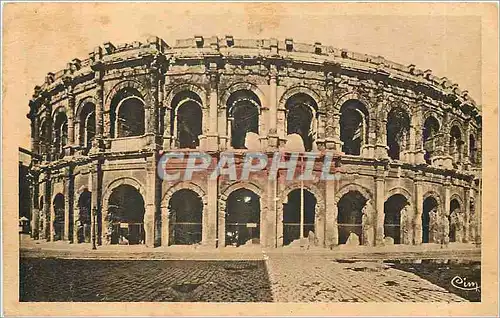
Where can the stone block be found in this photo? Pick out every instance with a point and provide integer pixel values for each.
(388, 240)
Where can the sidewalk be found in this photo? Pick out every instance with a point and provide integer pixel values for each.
(60, 249)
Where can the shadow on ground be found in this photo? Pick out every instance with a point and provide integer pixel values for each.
(442, 272)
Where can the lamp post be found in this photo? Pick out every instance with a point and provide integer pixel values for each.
(302, 199)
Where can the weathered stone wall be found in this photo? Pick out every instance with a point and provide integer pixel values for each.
(276, 72)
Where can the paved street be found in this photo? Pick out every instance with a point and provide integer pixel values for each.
(279, 278)
(319, 279)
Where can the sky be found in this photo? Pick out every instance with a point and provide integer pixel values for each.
(43, 37)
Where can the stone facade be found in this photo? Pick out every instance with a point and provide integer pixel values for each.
(407, 145)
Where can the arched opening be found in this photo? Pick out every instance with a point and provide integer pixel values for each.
(61, 132)
(398, 132)
(429, 136)
(457, 220)
(243, 108)
(472, 149)
(186, 120)
(87, 125)
(393, 218)
(430, 220)
(350, 214)
(185, 218)
(126, 216)
(127, 114)
(291, 215)
(242, 218)
(58, 206)
(84, 222)
(301, 112)
(456, 144)
(353, 127)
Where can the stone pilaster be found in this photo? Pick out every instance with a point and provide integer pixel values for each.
(368, 135)
(93, 188)
(332, 126)
(45, 234)
(165, 223)
(102, 119)
(466, 146)
(151, 202)
(479, 151)
(380, 200)
(50, 148)
(95, 180)
(212, 136)
(320, 224)
(224, 129)
(419, 205)
(273, 138)
(71, 122)
(419, 139)
(280, 182)
(448, 159)
(210, 220)
(52, 217)
(381, 148)
(167, 137)
(467, 192)
(35, 127)
(68, 203)
(336, 142)
(412, 144)
(76, 216)
(331, 213)
(35, 209)
(478, 213)
(319, 129)
(152, 110)
(220, 209)
(440, 156)
(446, 209)
(271, 221)
(281, 120)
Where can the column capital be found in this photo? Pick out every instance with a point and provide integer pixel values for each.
(214, 78)
(158, 65)
(379, 178)
(330, 80)
(273, 78)
(447, 182)
(380, 173)
(273, 70)
(97, 66)
(419, 177)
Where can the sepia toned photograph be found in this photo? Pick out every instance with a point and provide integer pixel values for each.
(255, 154)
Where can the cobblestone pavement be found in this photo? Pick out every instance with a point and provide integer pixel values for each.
(319, 279)
(140, 280)
(282, 278)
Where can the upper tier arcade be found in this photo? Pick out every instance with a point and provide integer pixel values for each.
(141, 96)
